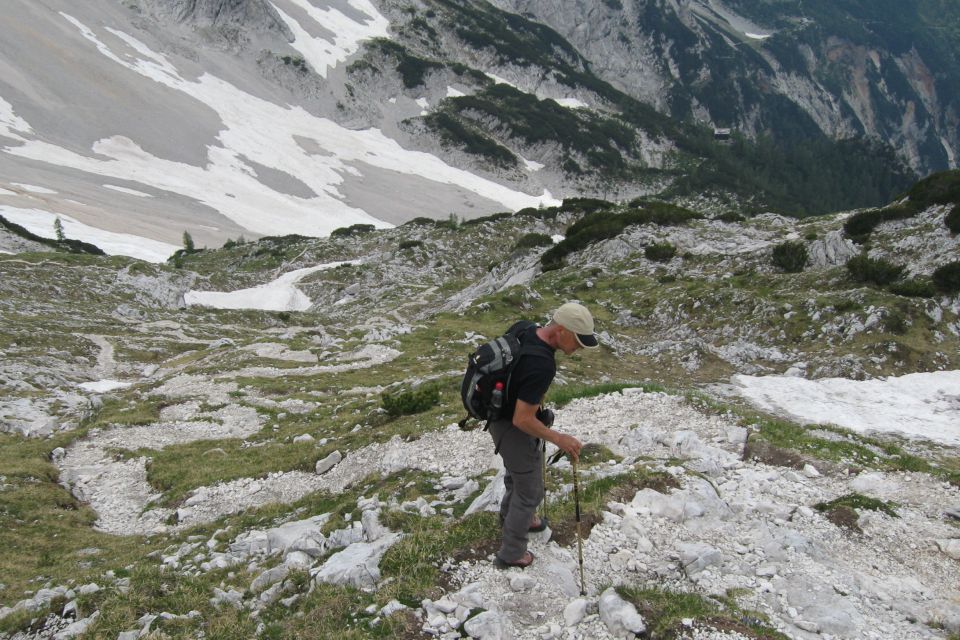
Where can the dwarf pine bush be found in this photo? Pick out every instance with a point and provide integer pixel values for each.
(791, 256)
(532, 240)
(953, 220)
(660, 252)
(947, 277)
(914, 288)
(408, 403)
(873, 270)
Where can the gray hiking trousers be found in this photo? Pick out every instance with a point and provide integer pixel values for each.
(524, 482)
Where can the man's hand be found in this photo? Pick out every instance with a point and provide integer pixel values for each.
(569, 445)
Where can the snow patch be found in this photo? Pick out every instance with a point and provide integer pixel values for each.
(131, 192)
(757, 36)
(34, 188)
(454, 93)
(571, 103)
(322, 54)
(103, 386)
(925, 405)
(279, 295)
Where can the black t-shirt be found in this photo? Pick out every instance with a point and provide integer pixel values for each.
(533, 373)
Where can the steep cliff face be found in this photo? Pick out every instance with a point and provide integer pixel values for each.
(885, 71)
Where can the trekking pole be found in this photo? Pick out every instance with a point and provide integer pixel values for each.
(576, 500)
(543, 465)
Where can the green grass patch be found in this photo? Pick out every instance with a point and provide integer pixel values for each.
(849, 448)
(860, 503)
(664, 612)
(413, 562)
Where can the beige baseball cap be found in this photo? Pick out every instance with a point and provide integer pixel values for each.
(576, 318)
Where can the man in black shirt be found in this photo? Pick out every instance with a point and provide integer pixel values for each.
(518, 435)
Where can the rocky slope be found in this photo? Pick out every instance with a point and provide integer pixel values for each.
(182, 470)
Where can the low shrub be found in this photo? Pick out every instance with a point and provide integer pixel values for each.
(731, 216)
(604, 224)
(873, 270)
(531, 240)
(660, 252)
(352, 230)
(493, 217)
(947, 277)
(914, 288)
(420, 221)
(791, 256)
(939, 188)
(953, 220)
(408, 403)
(585, 205)
(860, 225)
(410, 244)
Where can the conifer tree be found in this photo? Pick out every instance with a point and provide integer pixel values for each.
(188, 243)
(58, 230)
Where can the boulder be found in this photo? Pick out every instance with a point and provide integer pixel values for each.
(269, 577)
(328, 463)
(620, 616)
(486, 626)
(951, 547)
(490, 499)
(574, 612)
(358, 564)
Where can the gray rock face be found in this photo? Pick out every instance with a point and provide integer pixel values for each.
(255, 15)
(832, 251)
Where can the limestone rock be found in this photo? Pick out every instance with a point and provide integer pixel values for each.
(620, 616)
(328, 463)
(486, 626)
(358, 564)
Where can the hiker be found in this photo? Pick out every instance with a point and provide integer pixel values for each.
(523, 426)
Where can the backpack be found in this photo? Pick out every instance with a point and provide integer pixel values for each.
(487, 378)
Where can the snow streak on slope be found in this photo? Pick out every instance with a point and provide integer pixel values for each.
(919, 404)
(115, 244)
(270, 134)
(346, 34)
(279, 295)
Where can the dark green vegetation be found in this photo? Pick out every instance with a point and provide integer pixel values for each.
(533, 240)
(873, 270)
(352, 230)
(411, 402)
(858, 502)
(605, 223)
(602, 144)
(953, 220)
(947, 277)
(660, 252)
(791, 256)
(939, 188)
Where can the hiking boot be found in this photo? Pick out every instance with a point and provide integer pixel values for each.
(522, 563)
